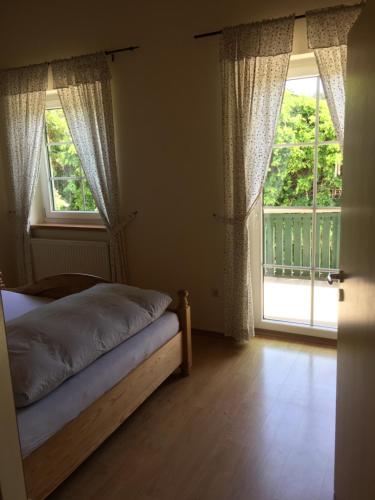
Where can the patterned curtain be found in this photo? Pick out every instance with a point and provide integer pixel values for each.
(254, 61)
(22, 107)
(327, 33)
(84, 88)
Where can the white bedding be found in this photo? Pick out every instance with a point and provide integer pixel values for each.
(41, 420)
(56, 341)
(17, 304)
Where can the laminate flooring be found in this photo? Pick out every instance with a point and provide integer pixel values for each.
(252, 422)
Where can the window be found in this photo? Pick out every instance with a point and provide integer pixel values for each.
(66, 190)
(301, 211)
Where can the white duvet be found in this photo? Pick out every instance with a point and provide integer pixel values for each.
(55, 341)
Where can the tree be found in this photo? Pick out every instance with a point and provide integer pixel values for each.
(290, 176)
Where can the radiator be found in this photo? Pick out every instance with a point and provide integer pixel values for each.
(63, 256)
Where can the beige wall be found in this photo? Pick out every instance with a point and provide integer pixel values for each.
(168, 121)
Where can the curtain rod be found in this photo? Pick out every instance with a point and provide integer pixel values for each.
(219, 32)
(110, 52)
(114, 51)
(106, 52)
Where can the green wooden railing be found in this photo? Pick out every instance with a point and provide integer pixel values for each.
(288, 242)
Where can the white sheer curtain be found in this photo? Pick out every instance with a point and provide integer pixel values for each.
(327, 33)
(22, 107)
(84, 88)
(255, 60)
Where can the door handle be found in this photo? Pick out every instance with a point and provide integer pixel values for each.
(332, 277)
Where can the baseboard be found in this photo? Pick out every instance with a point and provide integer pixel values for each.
(274, 335)
(295, 337)
(211, 334)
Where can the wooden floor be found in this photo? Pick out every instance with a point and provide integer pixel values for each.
(252, 422)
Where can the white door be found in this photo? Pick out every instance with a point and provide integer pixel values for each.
(355, 430)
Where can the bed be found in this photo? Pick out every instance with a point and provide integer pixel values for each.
(58, 432)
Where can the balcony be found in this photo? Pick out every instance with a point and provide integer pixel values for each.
(295, 287)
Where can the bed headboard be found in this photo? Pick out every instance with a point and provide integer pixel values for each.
(60, 285)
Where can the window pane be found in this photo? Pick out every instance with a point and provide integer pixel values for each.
(297, 117)
(287, 241)
(330, 163)
(326, 302)
(287, 298)
(326, 128)
(89, 200)
(67, 195)
(64, 161)
(327, 248)
(290, 178)
(70, 189)
(57, 128)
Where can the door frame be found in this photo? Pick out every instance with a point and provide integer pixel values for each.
(301, 65)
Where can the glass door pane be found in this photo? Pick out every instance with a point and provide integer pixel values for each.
(329, 176)
(290, 177)
(287, 295)
(301, 211)
(326, 301)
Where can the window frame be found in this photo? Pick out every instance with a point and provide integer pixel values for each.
(51, 215)
(301, 66)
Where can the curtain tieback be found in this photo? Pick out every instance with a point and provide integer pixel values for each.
(115, 230)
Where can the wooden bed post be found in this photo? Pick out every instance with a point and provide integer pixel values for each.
(185, 323)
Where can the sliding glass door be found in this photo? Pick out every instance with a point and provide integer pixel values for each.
(301, 211)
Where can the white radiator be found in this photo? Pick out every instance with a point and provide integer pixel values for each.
(64, 256)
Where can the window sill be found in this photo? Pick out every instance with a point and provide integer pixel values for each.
(70, 226)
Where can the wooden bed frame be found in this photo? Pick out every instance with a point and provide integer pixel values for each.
(50, 464)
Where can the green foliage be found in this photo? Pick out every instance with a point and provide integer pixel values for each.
(290, 176)
(73, 195)
(73, 192)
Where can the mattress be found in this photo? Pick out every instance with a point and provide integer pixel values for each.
(41, 420)
(16, 304)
